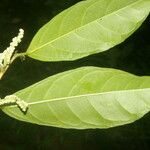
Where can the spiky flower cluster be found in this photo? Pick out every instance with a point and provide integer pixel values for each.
(13, 99)
(6, 56)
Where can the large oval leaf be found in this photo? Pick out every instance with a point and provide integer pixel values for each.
(87, 97)
(88, 27)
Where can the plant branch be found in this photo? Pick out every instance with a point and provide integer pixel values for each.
(5, 68)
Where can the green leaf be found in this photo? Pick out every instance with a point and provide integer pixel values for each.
(88, 27)
(87, 97)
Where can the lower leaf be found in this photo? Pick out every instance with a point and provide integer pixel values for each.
(87, 97)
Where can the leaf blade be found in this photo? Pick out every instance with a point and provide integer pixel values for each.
(76, 33)
(92, 102)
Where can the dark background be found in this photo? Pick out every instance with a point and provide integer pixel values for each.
(133, 56)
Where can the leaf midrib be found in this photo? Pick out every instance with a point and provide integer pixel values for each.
(32, 51)
(85, 95)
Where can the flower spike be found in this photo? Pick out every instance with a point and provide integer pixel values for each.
(6, 58)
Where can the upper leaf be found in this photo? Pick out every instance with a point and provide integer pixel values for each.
(88, 27)
(87, 97)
